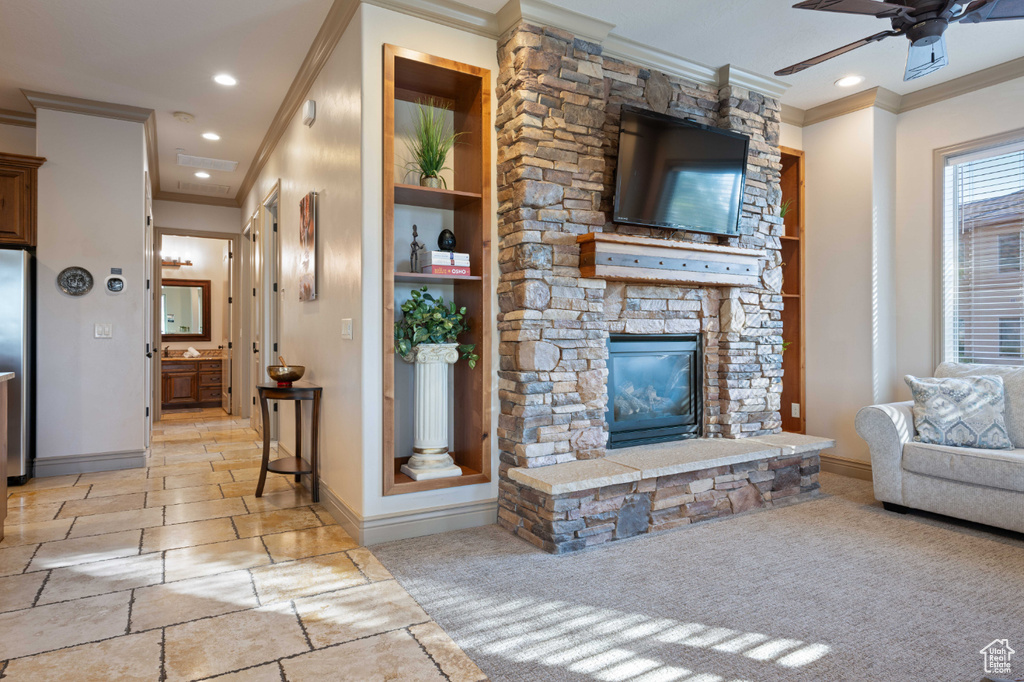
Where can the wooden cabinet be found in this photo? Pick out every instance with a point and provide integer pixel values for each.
(18, 199)
(3, 454)
(191, 383)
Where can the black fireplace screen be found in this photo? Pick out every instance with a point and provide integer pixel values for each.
(654, 389)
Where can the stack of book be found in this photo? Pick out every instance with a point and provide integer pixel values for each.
(446, 263)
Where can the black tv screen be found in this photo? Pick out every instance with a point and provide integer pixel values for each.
(679, 174)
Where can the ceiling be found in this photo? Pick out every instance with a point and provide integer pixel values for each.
(162, 55)
(766, 35)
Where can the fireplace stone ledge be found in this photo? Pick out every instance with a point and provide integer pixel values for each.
(626, 465)
(567, 507)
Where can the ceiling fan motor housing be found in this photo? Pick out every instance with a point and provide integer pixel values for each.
(926, 32)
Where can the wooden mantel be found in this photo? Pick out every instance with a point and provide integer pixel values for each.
(625, 258)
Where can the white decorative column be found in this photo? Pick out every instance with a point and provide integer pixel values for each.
(430, 458)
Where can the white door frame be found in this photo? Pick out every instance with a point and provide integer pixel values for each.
(238, 381)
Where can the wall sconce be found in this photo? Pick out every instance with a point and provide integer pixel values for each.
(309, 112)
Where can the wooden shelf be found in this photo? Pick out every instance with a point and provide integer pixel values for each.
(288, 465)
(793, 392)
(429, 197)
(438, 279)
(413, 77)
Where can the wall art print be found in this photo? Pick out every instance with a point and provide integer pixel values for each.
(307, 247)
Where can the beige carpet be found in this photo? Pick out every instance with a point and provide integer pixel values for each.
(832, 589)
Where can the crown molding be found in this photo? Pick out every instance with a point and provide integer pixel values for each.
(89, 107)
(194, 199)
(733, 75)
(447, 13)
(994, 75)
(9, 117)
(793, 116)
(666, 62)
(546, 14)
(887, 100)
(337, 20)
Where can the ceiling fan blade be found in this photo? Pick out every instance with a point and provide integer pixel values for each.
(797, 68)
(871, 7)
(992, 10)
(925, 59)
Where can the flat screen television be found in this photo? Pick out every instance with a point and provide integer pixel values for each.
(679, 174)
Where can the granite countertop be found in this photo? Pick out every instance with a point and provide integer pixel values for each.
(6, 376)
(179, 358)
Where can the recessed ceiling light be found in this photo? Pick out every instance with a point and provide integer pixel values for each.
(225, 79)
(849, 81)
(211, 136)
(202, 174)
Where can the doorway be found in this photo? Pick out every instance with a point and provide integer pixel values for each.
(264, 266)
(196, 322)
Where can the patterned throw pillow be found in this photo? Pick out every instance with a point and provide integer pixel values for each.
(961, 411)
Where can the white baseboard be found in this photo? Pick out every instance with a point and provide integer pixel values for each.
(402, 525)
(44, 467)
(852, 468)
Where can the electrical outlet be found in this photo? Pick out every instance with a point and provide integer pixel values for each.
(346, 328)
(104, 331)
(794, 410)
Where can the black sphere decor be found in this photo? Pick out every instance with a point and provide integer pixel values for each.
(446, 240)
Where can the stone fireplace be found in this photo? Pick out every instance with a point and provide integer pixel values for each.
(563, 305)
(655, 389)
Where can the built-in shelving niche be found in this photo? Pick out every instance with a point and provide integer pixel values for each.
(465, 208)
(793, 292)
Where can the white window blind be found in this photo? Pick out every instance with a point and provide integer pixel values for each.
(982, 273)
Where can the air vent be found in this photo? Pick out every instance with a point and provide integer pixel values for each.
(213, 190)
(206, 164)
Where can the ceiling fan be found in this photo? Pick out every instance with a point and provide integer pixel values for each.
(923, 22)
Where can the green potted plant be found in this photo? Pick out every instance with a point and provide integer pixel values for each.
(431, 142)
(427, 336)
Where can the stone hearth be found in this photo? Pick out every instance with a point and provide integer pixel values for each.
(559, 101)
(650, 488)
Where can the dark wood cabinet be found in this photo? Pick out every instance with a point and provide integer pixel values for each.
(18, 198)
(191, 383)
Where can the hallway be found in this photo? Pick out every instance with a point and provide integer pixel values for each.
(178, 572)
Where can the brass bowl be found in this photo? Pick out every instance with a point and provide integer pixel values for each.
(285, 374)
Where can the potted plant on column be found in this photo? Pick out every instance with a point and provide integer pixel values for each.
(427, 337)
(431, 141)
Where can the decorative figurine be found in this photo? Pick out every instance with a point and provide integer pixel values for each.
(446, 240)
(415, 249)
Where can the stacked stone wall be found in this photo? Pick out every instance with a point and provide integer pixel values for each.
(559, 103)
(574, 521)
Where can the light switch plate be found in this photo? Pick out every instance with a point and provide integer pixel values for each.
(794, 410)
(346, 328)
(104, 331)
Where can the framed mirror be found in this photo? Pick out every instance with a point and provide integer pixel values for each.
(185, 310)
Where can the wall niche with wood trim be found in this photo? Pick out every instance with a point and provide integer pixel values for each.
(463, 206)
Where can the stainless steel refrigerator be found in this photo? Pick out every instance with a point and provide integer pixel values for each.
(16, 349)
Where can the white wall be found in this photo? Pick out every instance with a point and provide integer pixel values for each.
(90, 392)
(183, 216)
(209, 259)
(325, 158)
(842, 309)
(339, 156)
(990, 111)
(791, 136)
(382, 26)
(18, 140)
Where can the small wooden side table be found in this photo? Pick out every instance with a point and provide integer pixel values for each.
(298, 392)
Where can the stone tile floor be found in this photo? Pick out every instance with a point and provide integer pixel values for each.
(177, 572)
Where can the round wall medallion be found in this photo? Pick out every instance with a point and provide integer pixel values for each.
(75, 281)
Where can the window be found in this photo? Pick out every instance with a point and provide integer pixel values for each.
(1009, 252)
(982, 278)
(1009, 336)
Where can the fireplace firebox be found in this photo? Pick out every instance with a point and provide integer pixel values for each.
(654, 389)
